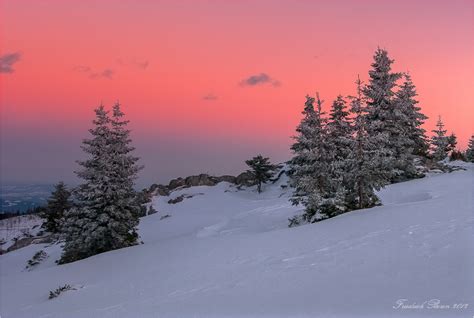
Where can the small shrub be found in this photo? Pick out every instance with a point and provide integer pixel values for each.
(55, 293)
(165, 216)
(36, 259)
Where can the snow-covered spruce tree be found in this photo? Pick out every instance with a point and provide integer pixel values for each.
(302, 163)
(340, 129)
(439, 142)
(107, 214)
(406, 102)
(366, 163)
(262, 170)
(311, 168)
(58, 202)
(452, 143)
(386, 124)
(470, 150)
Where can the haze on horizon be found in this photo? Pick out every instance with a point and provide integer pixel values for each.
(208, 84)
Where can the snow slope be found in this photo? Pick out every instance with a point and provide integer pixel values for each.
(229, 253)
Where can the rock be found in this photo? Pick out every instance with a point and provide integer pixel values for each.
(43, 240)
(245, 178)
(176, 183)
(226, 178)
(200, 180)
(176, 200)
(21, 243)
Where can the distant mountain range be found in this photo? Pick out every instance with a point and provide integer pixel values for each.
(21, 197)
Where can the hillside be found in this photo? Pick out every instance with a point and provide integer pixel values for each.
(225, 252)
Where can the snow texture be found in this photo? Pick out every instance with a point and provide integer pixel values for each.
(229, 253)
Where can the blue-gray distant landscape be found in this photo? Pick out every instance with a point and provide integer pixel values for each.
(20, 197)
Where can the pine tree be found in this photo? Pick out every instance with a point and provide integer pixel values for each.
(439, 142)
(302, 163)
(386, 123)
(340, 129)
(261, 169)
(312, 167)
(107, 214)
(365, 172)
(470, 150)
(405, 102)
(452, 143)
(58, 202)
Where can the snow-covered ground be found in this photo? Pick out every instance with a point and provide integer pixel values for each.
(229, 253)
(18, 227)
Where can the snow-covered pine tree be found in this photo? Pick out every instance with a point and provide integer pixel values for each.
(125, 207)
(312, 166)
(366, 163)
(262, 170)
(386, 123)
(340, 130)
(302, 163)
(406, 102)
(340, 139)
(439, 142)
(470, 150)
(106, 216)
(58, 202)
(452, 143)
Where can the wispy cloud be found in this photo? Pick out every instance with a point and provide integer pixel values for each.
(138, 63)
(7, 61)
(259, 79)
(107, 73)
(210, 97)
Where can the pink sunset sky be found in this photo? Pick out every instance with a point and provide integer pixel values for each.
(208, 84)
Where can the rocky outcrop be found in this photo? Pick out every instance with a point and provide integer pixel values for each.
(245, 178)
(202, 179)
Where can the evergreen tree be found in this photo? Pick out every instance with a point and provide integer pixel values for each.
(387, 124)
(312, 166)
(366, 163)
(452, 143)
(58, 202)
(107, 215)
(439, 142)
(406, 103)
(340, 130)
(261, 169)
(470, 150)
(302, 163)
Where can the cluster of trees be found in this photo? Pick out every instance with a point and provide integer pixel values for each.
(102, 213)
(368, 141)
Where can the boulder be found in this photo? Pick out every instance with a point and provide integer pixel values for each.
(226, 178)
(176, 183)
(245, 178)
(200, 180)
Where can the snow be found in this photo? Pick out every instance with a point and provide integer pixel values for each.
(18, 227)
(229, 253)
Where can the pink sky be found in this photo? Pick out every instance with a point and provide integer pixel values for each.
(176, 66)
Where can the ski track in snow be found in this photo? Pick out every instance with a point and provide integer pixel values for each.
(229, 253)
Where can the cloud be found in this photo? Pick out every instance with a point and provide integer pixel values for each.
(106, 73)
(141, 64)
(7, 61)
(210, 97)
(259, 79)
(82, 69)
